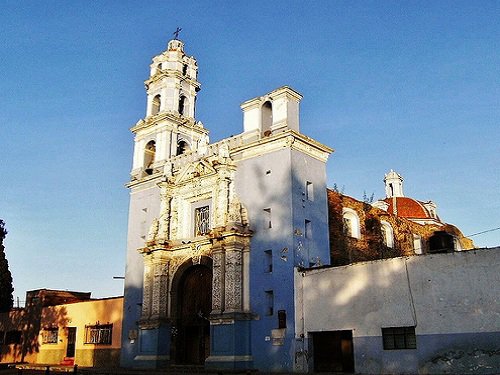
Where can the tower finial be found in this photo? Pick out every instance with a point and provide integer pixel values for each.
(176, 33)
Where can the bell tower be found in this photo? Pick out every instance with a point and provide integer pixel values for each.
(169, 127)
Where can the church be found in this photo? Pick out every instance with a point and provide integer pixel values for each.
(219, 233)
(216, 230)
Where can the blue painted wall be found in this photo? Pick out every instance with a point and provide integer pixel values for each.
(277, 181)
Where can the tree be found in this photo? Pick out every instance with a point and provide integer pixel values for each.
(6, 289)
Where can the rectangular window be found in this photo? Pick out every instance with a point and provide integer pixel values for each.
(269, 302)
(309, 191)
(49, 336)
(99, 334)
(267, 218)
(308, 229)
(13, 337)
(395, 338)
(268, 261)
(201, 221)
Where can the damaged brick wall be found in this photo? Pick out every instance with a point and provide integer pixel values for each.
(370, 246)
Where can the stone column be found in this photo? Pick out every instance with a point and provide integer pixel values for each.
(164, 220)
(160, 287)
(233, 282)
(148, 286)
(218, 280)
(222, 204)
(174, 217)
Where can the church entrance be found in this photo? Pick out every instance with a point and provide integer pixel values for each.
(194, 305)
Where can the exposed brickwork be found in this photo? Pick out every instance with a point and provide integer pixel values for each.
(346, 250)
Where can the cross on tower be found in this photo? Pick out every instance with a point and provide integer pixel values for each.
(176, 33)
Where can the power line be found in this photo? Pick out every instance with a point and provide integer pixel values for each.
(484, 231)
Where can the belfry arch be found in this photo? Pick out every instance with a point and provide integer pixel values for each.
(192, 304)
(267, 118)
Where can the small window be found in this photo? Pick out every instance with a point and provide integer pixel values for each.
(267, 218)
(2, 337)
(13, 337)
(309, 191)
(184, 69)
(269, 302)
(156, 105)
(281, 318)
(50, 335)
(182, 147)
(99, 334)
(149, 157)
(201, 221)
(396, 338)
(182, 104)
(268, 261)
(350, 221)
(308, 229)
(387, 234)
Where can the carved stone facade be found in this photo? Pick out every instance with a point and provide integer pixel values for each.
(170, 241)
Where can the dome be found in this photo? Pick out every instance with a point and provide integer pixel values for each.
(408, 208)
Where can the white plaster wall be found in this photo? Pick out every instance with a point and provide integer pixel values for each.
(451, 293)
(251, 119)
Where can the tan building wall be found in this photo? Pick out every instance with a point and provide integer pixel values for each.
(91, 319)
(44, 336)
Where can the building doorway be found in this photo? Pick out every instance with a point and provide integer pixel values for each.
(70, 347)
(194, 305)
(333, 351)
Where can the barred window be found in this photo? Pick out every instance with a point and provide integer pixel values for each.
(201, 221)
(99, 334)
(395, 338)
(49, 335)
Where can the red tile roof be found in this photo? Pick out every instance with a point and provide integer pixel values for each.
(408, 207)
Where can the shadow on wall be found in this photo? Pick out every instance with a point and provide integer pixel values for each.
(22, 328)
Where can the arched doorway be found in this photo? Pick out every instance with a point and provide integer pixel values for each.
(194, 305)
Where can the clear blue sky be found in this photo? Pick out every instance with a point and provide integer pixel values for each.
(407, 85)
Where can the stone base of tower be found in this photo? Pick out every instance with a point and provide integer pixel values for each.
(230, 342)
(154, 347)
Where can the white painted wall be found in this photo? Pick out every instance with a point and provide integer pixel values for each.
(451, 299)
(452, 293)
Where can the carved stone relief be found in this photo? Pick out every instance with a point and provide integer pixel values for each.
(233, 280)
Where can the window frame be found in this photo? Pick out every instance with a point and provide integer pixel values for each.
(205, 221)
(98, 334)
(48, 335)
(399, 338)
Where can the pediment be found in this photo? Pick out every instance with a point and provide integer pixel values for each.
(197, 169)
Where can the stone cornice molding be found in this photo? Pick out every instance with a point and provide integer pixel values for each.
(160, 75)
(171, 119)
(287, 139)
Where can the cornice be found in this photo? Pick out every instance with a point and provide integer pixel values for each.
(168, 118)
(158, 76)
(287, 139)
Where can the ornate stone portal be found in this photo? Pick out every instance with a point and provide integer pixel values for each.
(207, 181)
